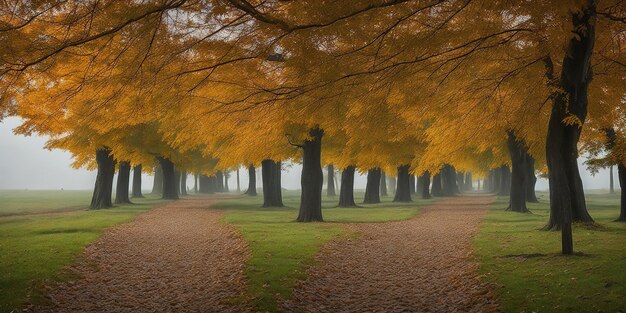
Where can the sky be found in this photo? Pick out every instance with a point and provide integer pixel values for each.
(26, 164)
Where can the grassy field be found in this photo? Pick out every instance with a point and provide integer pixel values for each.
(530, 274)
(35, 247)
(14, 202)
(281, 249)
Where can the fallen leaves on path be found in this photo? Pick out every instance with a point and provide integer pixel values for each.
(175, 258)
(420, 265)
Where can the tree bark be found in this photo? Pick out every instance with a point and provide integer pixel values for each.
(219, 176)
(330, 178)
(272, 193)
(103, 189)
(177, 180)
(383, 184)
(183, 183)
(238, 183)
(567, 201)
(204, 183)
(346, 190)
(412, 188)
(312, 179)
(517, 152)
(251, 181)
(468, 182)
(448, 179)
(170, 186)
(226, 177)
(403, 188)
(611, 186)
(123, 183)
(505, 181)
(196, 177)
(425, 185)
(157, 185)
(437, 190)
(531, 179)
(137, 181)
(460, 181)
(621, 175)
(372, 188)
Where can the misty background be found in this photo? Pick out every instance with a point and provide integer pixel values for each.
(26, 164)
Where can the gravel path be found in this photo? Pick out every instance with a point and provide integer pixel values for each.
(175, 258)
(420, 265)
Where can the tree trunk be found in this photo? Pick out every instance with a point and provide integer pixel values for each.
(346, 191)
(468, 182)
(505, 181)
(251, 181)
(137, 181)
(567, 200)
(272, 193)
(517, 151)
(448, 178)
(437, 190)
(157, 185)
(219, 176)
(238, 184)
(123, 183)
(372, 189)
(412, 189)
(312, 179)
(183, 183)
(611, 187)
(330, 178)
(103, 189)
(170, 186)
(177, 180)
(226, 177)
(383, 183)
(204, 183)
(425, 185)
(403, 188)
(621, 175)
(460, 181)
(196, 177)
(531, 179)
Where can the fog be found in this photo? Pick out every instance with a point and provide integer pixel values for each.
(26, 164)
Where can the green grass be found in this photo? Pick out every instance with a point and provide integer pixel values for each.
(37, 201)
(35, 248)
(594, 280)
(281, 249)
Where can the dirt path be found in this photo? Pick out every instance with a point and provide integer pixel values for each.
(175, 258)
(419, 265)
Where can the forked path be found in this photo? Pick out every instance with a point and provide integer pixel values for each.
(176, 258)
(419, 265)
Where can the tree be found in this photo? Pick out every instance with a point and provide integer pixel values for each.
(251, 191)
(101, 198)
(372, 188)
(137, 181)
(123, 183)
(517, 199)
(346, 192)
(425, 184)
(403, 189)
(330, 184)
(312, 178)
(157, 185)
(272, 189)
(383, 184)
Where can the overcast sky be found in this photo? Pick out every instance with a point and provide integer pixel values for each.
(25, 164)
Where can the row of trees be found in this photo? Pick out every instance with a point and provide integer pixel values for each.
(412, 87)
